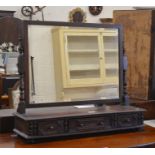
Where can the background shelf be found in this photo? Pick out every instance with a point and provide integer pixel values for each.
(83, 67)
(84, 51)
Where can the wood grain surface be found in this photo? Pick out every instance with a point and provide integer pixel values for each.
(137, 27)
(145, 138)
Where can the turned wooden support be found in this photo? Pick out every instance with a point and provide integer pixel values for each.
(21, 106)
(125, 66)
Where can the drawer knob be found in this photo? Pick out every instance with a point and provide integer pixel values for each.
(81, 125)
(127, 120)
(101, 123)
(51, 127)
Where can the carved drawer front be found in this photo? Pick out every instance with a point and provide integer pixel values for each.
(91, 124)
(50, 127)
(128, 120)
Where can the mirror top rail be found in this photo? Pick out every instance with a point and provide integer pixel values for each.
(61, 23)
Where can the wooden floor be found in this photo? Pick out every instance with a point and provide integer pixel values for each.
(145, 138)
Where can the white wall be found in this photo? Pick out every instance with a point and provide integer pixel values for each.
(60, 13)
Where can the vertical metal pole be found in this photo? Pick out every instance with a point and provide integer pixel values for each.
(32, 71)
(42, 15)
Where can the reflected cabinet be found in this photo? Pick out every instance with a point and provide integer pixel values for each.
(85, 58)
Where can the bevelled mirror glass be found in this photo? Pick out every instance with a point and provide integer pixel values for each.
(73, 62)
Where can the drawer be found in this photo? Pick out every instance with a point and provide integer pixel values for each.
(91, 124)
(128, 120)
(50, 127)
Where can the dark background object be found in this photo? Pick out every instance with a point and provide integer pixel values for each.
(4, 13)
(28, 11)
(6, 120)
(95, 10)
(8, 82)
(77, 17)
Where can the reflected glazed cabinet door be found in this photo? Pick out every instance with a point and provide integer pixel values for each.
(86, 57)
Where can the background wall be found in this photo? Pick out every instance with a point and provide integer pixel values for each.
(60, 13)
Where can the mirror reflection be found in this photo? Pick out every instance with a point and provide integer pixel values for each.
(72, 64)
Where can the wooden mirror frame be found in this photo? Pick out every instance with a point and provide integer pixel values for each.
(23, 65)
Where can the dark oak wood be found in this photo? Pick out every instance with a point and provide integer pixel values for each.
(66, 121)
(139, 36)
(144, 138)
